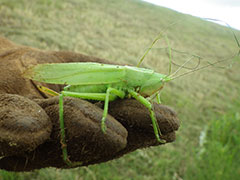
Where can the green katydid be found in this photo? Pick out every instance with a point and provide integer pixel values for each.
(101, 82)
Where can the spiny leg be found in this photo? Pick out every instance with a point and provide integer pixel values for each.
(62, 129)
(93, 96)
(62, 132)
(159, 98)
(147, 104)
(156, 96)
(116, 92)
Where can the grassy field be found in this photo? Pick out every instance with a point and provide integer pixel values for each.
(121, 31)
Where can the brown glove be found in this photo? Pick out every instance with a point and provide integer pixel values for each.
(29, 122)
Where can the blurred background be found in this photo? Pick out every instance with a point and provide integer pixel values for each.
(207, 101)
(224, 10)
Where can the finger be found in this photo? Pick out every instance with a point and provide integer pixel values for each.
(23, 125)
(136, 119)
(85, 140)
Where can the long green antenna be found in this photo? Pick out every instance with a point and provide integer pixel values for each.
(170, 56)
(231, 29)
(181, 67)
(210, 64)
(160, 35)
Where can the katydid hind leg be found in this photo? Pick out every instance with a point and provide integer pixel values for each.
(148, 105)
(113, 93)
(93, 96)
(63, 135)
(62, 132)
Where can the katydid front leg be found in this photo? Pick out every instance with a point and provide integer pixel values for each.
(148, 105)
(159, 98)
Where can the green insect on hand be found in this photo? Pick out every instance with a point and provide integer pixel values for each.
(102, 82)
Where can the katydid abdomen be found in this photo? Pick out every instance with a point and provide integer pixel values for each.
(145, 81)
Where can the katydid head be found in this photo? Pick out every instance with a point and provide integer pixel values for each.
(154, 84)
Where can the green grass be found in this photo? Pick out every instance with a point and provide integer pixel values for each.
(218, 156)
(121, 31)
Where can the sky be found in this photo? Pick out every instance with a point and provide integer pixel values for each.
(224, 10)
